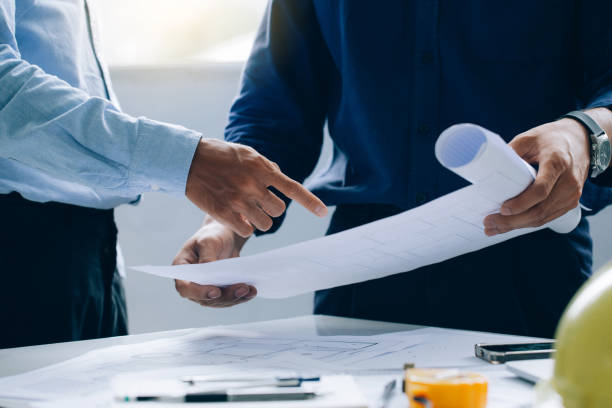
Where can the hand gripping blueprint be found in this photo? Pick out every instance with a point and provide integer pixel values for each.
(444, 228)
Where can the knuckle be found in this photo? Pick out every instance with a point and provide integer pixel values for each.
(537, 215)
(528, 138)
(261, 162)
(542, 218)
(246, 232)
(294, 187)
(577, 186)
(521, 137)
(247, 150)
(239, 204)
(541, 189)
(274, 165)
(258, 163)
(559, 161)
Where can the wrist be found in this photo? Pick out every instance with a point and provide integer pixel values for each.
(599, 144)
(581, 135)
(210, 222)
(603, 117)
(578, 129)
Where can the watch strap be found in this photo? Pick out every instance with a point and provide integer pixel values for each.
(587, 121)
(595, 131)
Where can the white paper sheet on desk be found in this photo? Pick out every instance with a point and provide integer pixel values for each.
(85, 380)
(439, 230)
(218, 351)
(333, 391)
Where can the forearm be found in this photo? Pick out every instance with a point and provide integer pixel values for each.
(47, 124)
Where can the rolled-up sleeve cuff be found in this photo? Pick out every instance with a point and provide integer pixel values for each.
(162, 157)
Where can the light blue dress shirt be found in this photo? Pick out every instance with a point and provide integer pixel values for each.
(63, 136)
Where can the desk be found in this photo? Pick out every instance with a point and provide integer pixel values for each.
(505, 390)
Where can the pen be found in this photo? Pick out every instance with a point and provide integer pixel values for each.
(387, 392)
(222, 397)
(279, 381)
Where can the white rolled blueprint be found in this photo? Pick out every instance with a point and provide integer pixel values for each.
(449, 226)
(483, 158)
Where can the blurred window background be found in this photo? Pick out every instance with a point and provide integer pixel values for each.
(177, 32)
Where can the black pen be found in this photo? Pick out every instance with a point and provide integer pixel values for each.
(387, 393)
(229, 396)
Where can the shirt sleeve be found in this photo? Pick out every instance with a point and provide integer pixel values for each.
(47, 124)
(595, 53)
(595, 84)
(281, 108)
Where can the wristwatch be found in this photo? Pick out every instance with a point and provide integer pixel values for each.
(600, 144)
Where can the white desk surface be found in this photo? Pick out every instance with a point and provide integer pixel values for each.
(20, 360)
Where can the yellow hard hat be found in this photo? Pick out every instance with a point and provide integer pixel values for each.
(583, 360)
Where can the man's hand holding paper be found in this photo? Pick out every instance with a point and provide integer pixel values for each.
(213, 241)
(561, 149)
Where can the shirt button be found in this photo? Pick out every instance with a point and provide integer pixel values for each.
(154, 187)
(423, 130)
(421, 198)
(427, 57)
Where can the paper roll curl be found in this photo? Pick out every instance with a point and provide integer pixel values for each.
(478, 155)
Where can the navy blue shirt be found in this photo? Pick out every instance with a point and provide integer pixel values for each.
(387, 77)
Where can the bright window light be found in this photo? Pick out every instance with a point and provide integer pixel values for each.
(177, 32)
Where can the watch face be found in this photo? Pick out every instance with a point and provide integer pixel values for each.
(604, 155)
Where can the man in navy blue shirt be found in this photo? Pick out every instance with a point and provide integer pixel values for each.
(387, 78)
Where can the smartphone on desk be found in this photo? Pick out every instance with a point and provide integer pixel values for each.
(501, 353)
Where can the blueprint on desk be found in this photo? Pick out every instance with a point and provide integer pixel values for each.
(225, 352)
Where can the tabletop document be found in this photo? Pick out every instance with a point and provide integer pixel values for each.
(90, 380)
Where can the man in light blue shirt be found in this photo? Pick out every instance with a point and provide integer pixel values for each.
(68, 156)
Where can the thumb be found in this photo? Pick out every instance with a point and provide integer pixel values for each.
(185, 257)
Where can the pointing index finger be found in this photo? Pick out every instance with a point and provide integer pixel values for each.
(295, 191)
